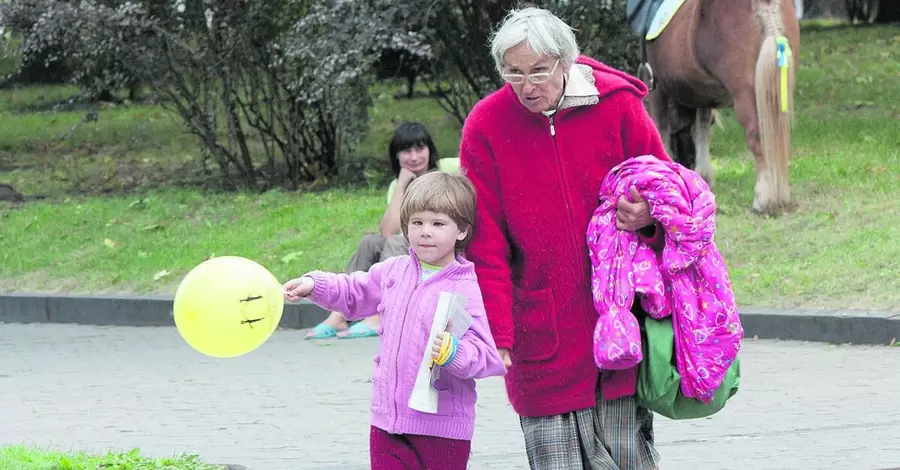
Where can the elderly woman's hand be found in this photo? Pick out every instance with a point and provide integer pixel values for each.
(633, 216)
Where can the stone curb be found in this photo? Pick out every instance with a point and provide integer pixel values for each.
(820, 325)
(122, 311)
(828, 326)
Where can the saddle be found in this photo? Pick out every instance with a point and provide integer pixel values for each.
(648, 18)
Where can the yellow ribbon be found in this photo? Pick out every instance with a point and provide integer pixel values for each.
(784, 61)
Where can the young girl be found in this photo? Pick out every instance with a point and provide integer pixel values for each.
(436, 216)
(411, 153)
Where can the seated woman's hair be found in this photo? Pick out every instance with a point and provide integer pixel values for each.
(544, 32)
(407, 136)
(442, 193)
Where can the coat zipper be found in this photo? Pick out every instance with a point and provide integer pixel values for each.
(562, 177)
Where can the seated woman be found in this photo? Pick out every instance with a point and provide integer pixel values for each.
(412, 153)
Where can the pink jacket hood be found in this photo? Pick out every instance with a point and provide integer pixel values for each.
(609, 80)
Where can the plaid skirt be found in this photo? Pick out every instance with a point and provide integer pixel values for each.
(614, 435)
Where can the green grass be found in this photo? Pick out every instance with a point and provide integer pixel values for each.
(147, 243)
(28, 458)
(123, 217)
(143, 147)
(840, 249)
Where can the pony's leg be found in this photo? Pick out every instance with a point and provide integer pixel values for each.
(701, 132)
(658, 108)
(684, 148)
(745, 112)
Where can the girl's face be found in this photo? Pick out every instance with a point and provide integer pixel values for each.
(414, 159)
(433, 237)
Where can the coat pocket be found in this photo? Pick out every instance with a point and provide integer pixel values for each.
(534, 320)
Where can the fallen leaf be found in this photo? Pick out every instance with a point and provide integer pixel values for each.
(110, 243)
(291, 256)
(161, 274)
(138, 204)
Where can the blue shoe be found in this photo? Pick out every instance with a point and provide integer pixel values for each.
(358, 330)
(321, 331)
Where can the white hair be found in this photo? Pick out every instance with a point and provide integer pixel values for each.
(544, 32)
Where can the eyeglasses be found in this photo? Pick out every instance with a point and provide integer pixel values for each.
(540, 77)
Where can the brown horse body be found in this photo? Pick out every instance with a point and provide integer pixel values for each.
(722, 54)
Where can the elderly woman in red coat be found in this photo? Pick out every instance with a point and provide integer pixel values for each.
(537, 151)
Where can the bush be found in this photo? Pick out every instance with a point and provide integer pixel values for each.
(35, 66)
(71, 42)
(602, 31)
(452, 38)
(287, 79)
(276, 91)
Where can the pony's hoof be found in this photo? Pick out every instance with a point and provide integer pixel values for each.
(709, 177)
(774, 209)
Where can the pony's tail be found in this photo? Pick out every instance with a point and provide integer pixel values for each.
(774, 84)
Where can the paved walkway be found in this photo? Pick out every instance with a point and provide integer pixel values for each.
(295, 404)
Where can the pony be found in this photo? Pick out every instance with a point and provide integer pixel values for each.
(704, 55)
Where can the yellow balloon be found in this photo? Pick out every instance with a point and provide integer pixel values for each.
(228, 306)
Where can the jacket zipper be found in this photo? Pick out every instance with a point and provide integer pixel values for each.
(396, 391)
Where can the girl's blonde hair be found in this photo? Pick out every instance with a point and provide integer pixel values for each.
(442, 193)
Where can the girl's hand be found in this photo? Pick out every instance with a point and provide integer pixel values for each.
(295, 289)
(504, 355)
(436, 345)
(444, 348)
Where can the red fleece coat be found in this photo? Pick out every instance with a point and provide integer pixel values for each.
(536, 193)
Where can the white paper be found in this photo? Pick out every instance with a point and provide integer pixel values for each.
(424, 396)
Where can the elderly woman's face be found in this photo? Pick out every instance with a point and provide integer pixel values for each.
(537, 97)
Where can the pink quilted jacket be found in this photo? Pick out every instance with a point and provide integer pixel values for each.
(688, 280)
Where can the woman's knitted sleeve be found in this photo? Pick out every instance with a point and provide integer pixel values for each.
(489, 247)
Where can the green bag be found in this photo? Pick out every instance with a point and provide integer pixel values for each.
(659, 383)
